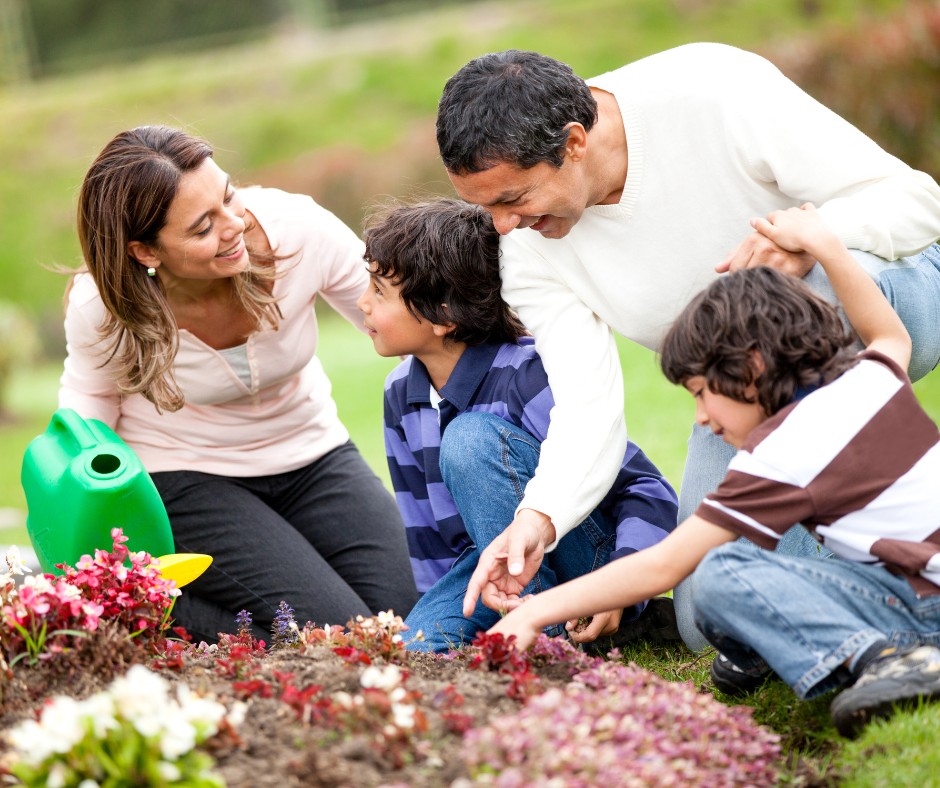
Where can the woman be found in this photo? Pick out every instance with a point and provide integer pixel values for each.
(191, 331)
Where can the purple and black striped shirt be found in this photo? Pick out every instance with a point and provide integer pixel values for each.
(509, 381)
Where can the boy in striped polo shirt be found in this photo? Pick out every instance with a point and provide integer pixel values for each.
(827, 438)
(465, 416)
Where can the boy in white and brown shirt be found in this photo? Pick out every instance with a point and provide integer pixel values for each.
(826, 438)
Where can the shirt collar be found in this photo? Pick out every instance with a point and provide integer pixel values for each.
(463, 382)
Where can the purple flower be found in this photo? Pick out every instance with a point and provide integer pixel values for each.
(243, 620)
(286, 633)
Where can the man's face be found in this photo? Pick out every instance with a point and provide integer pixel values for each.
(544, 198)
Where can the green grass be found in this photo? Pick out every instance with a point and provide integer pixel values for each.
(900, 753)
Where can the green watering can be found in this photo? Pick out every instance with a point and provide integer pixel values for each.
(81, 480)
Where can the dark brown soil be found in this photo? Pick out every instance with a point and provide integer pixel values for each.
(273, 749)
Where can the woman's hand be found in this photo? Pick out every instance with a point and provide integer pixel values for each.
(601, 624)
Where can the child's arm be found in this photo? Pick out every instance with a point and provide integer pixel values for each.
(877, 324)
(625, 582)
(644, 506)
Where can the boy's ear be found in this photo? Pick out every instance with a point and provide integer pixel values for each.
(757, 364)
(443, 329)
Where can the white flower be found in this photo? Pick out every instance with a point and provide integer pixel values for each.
(16, 562)
(343, 699)
(398, 694)
(63, 722)
(177, 738)
(403, 715)
(56, 778)
(396, 638)
(39, 584)
(236, 715)
(169, 771)
(200, 711)
(99, 708)
(88, 783)
(386, 678)
(140, 697)
(31, 742)
(386, 618)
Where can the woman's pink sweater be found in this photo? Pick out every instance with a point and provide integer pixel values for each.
(286, 418)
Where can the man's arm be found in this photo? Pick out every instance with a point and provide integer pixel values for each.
(877, 324)
(625, 582)
(581, 455)
(871, 200)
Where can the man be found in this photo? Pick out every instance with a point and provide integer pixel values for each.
(639, 186)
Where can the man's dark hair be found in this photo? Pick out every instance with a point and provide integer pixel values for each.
(510, 106)
(443, 256)
(799, 337)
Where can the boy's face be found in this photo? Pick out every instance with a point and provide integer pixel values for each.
(729, 418)
(394, 330)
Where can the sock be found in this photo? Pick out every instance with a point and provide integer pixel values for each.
(864, 659)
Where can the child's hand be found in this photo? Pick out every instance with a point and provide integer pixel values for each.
(601, 624)
(520, 624)
(796, 229)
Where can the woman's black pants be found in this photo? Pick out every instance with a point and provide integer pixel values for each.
(326, 538)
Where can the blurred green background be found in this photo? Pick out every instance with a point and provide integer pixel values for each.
(337, 100)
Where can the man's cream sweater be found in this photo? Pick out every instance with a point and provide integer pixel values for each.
(715, 137)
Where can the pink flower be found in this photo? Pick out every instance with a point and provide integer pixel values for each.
(117, 535)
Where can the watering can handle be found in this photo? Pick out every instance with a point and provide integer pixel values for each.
(73, 424)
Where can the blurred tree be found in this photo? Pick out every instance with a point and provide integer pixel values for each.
(68, 32)
(15, 42)
(883, 75)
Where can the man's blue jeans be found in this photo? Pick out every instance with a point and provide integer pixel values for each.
(912, 287)
(486, 463)
(803, 616)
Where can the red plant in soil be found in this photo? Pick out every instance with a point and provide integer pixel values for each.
(495, 652)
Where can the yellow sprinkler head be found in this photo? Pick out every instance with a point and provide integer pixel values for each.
(183, 567)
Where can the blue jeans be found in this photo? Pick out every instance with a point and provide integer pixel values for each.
(912, 287)
(486, 463)
(805, 617)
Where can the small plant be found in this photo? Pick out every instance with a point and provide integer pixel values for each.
(286, 633)
(622, 726)
(42, 618)
(495, 652)
(137, 732)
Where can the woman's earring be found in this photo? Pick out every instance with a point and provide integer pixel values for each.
(151, 271)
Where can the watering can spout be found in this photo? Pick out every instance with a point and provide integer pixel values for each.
(183, 567)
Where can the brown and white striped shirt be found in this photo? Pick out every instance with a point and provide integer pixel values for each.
(857, 462)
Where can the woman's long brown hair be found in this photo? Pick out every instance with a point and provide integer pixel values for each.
(125, 197)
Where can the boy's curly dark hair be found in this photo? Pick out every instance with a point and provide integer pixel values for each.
(799, 337)
(443, 255)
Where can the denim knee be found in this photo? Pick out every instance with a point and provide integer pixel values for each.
(469, 440)
(711, 581)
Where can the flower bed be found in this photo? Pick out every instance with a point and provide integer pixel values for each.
(334, 706)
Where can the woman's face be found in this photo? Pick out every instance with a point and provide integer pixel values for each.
(203, 235)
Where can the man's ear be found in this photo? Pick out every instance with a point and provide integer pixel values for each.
(576, 144)
(142, 253)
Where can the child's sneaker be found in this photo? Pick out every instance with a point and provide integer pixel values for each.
(896, 677)
(733, 681)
